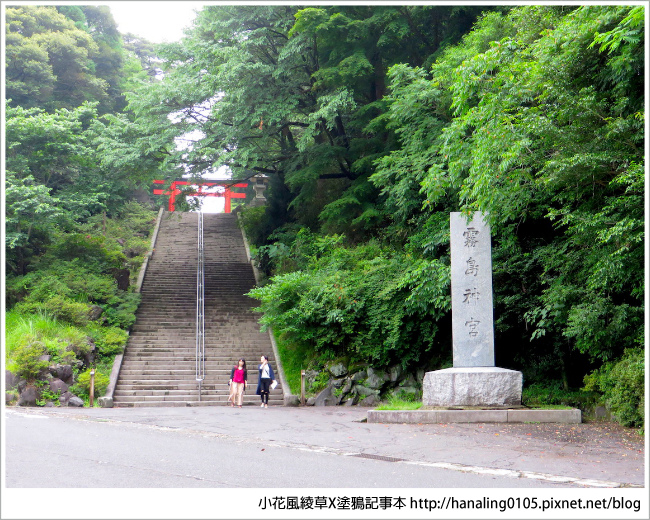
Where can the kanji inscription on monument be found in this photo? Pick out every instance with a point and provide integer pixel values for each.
(471, 291)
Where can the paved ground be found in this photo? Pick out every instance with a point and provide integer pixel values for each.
(587, 454)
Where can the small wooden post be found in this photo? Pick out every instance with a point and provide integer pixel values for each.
(92, 386)
(302, 387)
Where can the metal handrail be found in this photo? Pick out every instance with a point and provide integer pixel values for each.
(200, 308)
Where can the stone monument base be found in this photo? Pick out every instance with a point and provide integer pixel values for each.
(472, 386)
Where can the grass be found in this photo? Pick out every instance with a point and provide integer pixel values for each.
(56, 337)
(19, 327)
(549, 394)
(550, 407)
(394, 403)
(293, 362)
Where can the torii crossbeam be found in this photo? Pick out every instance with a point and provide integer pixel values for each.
(173, 191)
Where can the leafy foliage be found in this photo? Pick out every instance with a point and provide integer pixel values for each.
(365, 303)
(622, 384)
(110, 341)
(372, 124)
(26, 360)
(61, 57)
(82, 387)
(536, 122)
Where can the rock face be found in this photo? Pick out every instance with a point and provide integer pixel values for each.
(338, 370)
(62, 372)
(376, 379)
(75, 401)
(95, 312)
(351, 385)
(472, 386)
(59, 377)
(65, 397)
(56, 385)
(371, 400)
(28, 396)
(324, 397)
(11, 380)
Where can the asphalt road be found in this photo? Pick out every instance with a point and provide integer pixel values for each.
(252, 455)
(58, 451)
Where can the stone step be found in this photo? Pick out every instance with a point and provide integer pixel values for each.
(210, 390)
(212, 350)
(171, 384)
(211, 345)
(159, 361)
(137, 404)
(175, 366)
(194, 396)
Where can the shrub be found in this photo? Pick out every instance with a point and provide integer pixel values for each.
(82, 387)
(44, 285)
(137, 218)
(93, 251)
(21, 328)
(25, 360)
(110, 340)
(46, 395)
(366, 303)
(622, 386)
(56, 348)
(552, 393)
(59, 340)
(120, 309)
(252, 219)
(59, 307)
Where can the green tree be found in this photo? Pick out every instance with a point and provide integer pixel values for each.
(31, 214)
(290, 92)
(530, 122)
(49, 60)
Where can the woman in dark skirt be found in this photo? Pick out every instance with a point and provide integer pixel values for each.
(264, 381)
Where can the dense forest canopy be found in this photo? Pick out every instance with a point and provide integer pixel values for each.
(372, 124)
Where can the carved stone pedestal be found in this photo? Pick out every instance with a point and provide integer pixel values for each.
(472, 386)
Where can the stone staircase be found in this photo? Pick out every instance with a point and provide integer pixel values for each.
(159, 362)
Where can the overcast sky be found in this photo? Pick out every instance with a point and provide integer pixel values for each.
(161, 22)
(157, 22)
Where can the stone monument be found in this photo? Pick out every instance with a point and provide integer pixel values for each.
(473, 380)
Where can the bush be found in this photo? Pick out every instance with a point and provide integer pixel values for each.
(60, 308)
(252, 219)
(22, 328)
(552, 393)
(137, 218)
(93, 251)
(120, 309)
(59, 350)
(110, 340)
(25, 360)
(44, 285)
(622, 386)
(59, 340)
(82, 387)
(367, 303)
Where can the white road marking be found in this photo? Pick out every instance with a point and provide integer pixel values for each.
(26, 415)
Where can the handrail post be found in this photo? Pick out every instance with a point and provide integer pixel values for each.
(200, 308)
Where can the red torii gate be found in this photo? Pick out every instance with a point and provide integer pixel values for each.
(173, 191)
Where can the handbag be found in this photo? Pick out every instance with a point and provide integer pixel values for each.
(274, 384)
